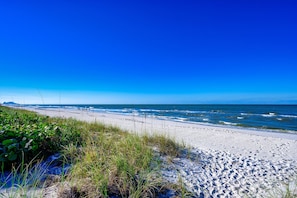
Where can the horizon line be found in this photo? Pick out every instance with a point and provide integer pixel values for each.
(7, 103)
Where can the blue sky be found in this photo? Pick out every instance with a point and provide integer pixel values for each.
(148, 51)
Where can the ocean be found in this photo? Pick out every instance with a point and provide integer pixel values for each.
(267, 117)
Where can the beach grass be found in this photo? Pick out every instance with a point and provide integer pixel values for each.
(106, 161)
(286, 190)
(26, 180)
(166, 145)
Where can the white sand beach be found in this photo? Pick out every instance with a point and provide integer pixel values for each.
(223, 162)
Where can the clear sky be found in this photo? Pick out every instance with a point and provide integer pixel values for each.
(148, 51)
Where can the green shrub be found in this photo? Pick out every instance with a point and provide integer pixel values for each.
(25, 135)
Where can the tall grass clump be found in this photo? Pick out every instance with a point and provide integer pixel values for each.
(115, 163)
(166, 145)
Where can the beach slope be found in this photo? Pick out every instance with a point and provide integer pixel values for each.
(227, 162)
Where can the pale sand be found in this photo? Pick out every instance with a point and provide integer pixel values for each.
(262, 144)
(224, 162)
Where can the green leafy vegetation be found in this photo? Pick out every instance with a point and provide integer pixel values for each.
(25, 135)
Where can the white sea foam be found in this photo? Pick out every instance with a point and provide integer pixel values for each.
(244, 114)
(150, 110)
(165, 117)
(65, 107)
(99, 110)
(268, 115)
(240, 118)
(182, 119)
(188, 111)
(135, 113)
(227, 123)
(289, 116)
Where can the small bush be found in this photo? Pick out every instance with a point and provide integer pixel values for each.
(25, 135)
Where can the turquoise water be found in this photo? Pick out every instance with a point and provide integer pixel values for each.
(275, 117)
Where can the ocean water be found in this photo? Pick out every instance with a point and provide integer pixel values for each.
(272, 117)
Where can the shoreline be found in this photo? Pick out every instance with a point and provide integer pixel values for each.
(292, 134)
(264, 144)
(255, 130)
(174, 119)
(221, 162)
(264, 119)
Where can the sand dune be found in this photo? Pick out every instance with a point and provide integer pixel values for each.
(225, 162)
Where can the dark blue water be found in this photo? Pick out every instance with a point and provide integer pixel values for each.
(275, 117)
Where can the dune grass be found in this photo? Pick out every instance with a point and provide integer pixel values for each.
(112, 160)
(106, 161)
(26, 180)
(165, 144)
(286, 190)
